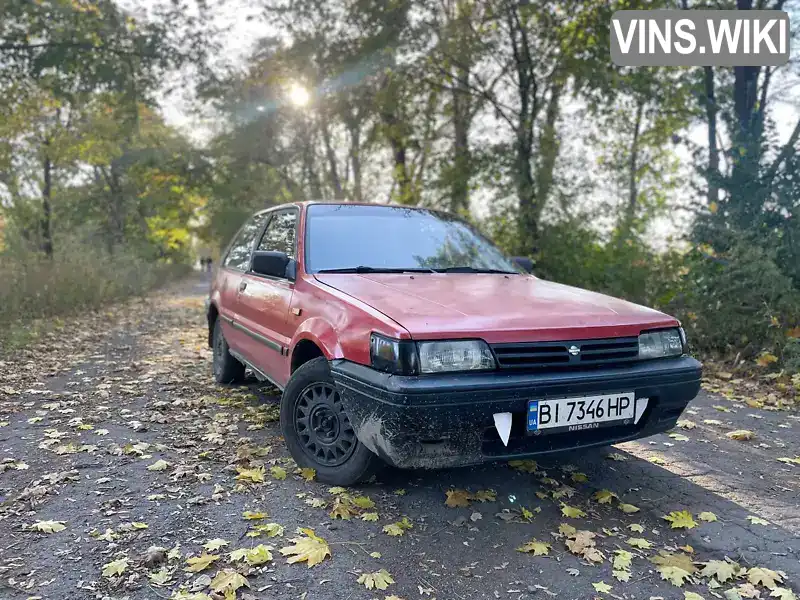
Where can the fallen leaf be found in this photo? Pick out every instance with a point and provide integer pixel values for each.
(616, 456)
(255, 475)
(535, 547)
(485, 496)
(380, 580)
(763, 576)
(200, 563)
(369, 516)
(628, 508)
(675, 575)
(457, 498)
(604, 496)
(766, 359)
(757, 520)
(571, 511)
(258, 555)
(49, 526)
(692, 596)
(741, 435)
(640, 543)
(250, 515)
(680, 520)
(721, 570)
(579, 478)
(306, 473)
(686, 424)
(308, 548)
(782, 594)
(790, 461)
(621, 575)
(636, 528)
(115, 567)
(228, 580)
(708, 517)
(601, 587)
(364, 502)
(278, 473)
(215, 544)
(161, 577)
(159, 465)
(622, 560)
(398, 528)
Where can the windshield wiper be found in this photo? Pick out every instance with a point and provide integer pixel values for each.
(474, 270)
(363, 269)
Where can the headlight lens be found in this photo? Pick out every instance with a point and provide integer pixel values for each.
(459, 355)
(659, 344)
(393, 356)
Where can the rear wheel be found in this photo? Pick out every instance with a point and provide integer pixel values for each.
(225, 367)
(318, 431)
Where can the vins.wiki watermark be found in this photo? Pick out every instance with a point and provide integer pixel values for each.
(696, 38)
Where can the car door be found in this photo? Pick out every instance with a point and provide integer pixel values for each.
(233, 266)
(264, 302)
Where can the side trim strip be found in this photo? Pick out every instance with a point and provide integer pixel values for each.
(258, 337)
(259, 373)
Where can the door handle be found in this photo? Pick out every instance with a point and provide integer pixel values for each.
(242, 286)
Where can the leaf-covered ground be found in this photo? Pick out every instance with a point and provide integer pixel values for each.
(126, 473)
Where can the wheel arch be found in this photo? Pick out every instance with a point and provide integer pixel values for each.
(315, 338)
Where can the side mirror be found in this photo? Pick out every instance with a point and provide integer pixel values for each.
(273, 264)
(523, 262)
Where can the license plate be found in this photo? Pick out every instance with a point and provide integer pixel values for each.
(576, 414)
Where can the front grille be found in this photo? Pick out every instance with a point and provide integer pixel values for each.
(554, 356)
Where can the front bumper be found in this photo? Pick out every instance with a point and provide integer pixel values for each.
(435, 421)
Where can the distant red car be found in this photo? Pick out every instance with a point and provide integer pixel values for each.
(402, 335)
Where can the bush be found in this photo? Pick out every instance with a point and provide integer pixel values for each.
(78, 278)
(791, 356)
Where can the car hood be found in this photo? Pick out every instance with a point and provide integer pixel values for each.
(495, 307)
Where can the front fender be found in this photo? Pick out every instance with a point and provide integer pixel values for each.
(320, 332)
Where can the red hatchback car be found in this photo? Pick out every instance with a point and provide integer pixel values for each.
(401, 335)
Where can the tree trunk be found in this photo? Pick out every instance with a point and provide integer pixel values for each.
(459, 187)
(548, 148)
(333, 170)
(626, 228)
(47, 197)
(355, 161)
(712, 176)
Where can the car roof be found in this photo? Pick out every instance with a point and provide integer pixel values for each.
(306, 203)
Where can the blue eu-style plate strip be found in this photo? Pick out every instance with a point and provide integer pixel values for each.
(533, 415)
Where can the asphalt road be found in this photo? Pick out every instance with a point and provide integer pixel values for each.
(87, 413)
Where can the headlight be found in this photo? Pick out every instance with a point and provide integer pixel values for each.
(393, 356)
(460, 355)
(405, 357)
(659, 344)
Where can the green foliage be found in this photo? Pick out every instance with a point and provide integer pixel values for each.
(791, 355)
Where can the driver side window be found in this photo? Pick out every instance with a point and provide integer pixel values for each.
(238, 257)
(280, 233)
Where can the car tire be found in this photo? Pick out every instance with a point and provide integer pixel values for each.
(317, 430)
(225, 367)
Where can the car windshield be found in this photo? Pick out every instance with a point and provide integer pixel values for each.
(357, 238)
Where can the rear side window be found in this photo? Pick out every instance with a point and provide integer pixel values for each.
(280, 233)
(238, 257)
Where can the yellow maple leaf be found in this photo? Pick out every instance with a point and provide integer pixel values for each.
(636, 528)
(640, 543)
(757, 520)
(342, 508)
(115, 567)
(708, 517)
(789, 461)
(765, 359)
(680, 520)
(692, 596)
(621, 575)
(308, 548)
(604, 496)
(535, 547)
(258, 555)
(369, 516)
(741, 435)
(49, 526)
(215, 544)
(380, 580)
(278, 473)
(255, 475)
(200, 563)
(680, 560)
(601, 587)
(457, 498)
(782, 594)
(306, 473)
(227, 581)
(525, 465)
(579, 478)
(763, 576)
(628, 508)
(250, 515)
(622, 560)
(571, 511)
(363, 502)
(721, 570)
(159, 465)
(567, 529)
(675, 575)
